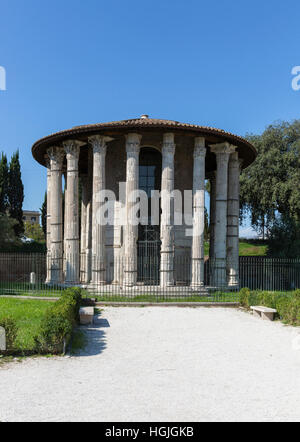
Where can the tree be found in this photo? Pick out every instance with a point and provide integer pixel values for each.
(43, 210)
(270, 187)
(16, 193)
(34, 231)
(7, 232)
(3, 184)
(206, 225)
(284, 238)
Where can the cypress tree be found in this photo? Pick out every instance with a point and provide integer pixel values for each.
(44, 215)
(3, 184)
(16, 193)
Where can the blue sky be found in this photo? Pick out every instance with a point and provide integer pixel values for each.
(224, 64)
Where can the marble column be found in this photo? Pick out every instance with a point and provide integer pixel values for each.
(56, 155)
(88, 252)
(48, 220)
(167, 209)
(212, 215)
(223, 152)
(99, 145)
(83, 232)
(72, 256)
(212, 222)
(86, 223)
(233, 217)
(65, 196)
(198, 213)
(133, 142)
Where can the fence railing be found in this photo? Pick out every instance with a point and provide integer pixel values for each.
(25, 274)
(275, 274)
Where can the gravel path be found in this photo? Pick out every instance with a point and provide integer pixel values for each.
(163, 364)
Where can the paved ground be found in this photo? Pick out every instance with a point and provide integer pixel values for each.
(163, 364)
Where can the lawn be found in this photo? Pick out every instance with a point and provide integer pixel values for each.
(247, 248)
(253, 248)
(28, 315)
(26, 289)
(214, 297)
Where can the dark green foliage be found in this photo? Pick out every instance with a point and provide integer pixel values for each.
(7, 234)
(284, 238)
(271, 185)
(244, 296)
(58, 322)
(3, 184)
(16, 193)
(44, 215)
(53, 331)
(11, 330)
(19, 247)
(287, 305)
(206, 226)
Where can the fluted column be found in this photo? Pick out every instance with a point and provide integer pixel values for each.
(89, 220)
(133, 142)
(198, 213)
(212, 222)
(56, 156)
(167, 215)
(212, 215)
(48, 221)
(86, 223)
(99, 145)
(83, 232)
(72, 257)
(222, 151)
(233, 215)
(88, 252)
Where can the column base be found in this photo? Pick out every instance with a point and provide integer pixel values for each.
(196, 286)
(166, 282)
(130, 276)
(98, 283)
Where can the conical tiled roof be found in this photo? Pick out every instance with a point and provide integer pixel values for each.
(139, 124)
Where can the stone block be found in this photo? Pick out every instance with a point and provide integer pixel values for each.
(86, 315)
(2, 339)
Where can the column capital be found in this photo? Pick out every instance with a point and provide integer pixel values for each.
(222, 148)
(99, 143)
(56, 156)
(47, 160)
(72, 148)
(133, 143)
(234, 157)
(200, 149)
(168, 146)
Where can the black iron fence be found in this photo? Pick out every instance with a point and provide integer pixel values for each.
(25, 274)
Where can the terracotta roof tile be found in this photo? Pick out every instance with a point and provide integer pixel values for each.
(145, 122)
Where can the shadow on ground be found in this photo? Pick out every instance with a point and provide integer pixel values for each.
(96, 337)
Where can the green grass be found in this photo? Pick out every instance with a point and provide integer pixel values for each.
(247, 248)
(28, 315)
(25, 289)
(215, 297)
(253, 248)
